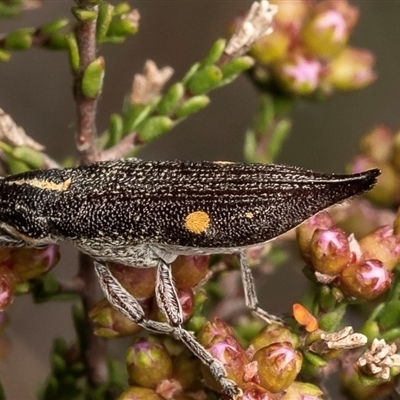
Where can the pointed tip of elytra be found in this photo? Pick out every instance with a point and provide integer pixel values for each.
(370, 178)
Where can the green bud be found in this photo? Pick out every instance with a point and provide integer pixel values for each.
(115, 129)
(4, 55)
(205, 79)
(19, 40)
(389, 316)
(302, 390)
(315, 359)
(106, 11)
(16, 166)
(331, 320)
(236, 66)
(148, 363)
(123, 26)
(192, 105)
(326, 299)
(32, 158)
(215, 53)
(110, 323)
(170, 100)
(60, 346)
(54, 26)
(57, 41)
(250, 146)
(121, 8)
(84, 15)
(139, 393)
(192, 70)
(92, 80)
(73, 51)
(155, 127)
(58, 363)
(371, 330)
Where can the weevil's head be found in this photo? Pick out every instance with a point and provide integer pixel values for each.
(22, 212)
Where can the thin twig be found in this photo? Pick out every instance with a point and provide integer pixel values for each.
(86, 107)
(94, 348)
(127, 144)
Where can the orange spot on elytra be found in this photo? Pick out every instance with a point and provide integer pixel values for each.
(197, 222)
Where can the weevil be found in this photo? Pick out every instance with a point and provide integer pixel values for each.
(145, 213)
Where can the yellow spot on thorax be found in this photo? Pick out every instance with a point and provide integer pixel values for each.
(249, 215)
(197, 222)
(45, 185)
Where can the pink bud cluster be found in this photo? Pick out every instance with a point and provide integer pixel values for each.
(380, 148)
(308, 52)
(360, 268)
(19, 265)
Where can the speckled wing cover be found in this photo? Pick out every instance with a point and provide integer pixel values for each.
(195, 204)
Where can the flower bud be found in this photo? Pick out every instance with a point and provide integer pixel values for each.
(273, 333)
(291, 13)
(186, 371)
(29, 263)
(299, 74)
(302, 391)
(395, 159)
(148, 364)
(139, 393)
(139, 282)
(219, 339)
(278, 366)
(377, 144)
(305, 231)
(110, 323)
(382, 245)
(351, 70)
(330, 251)
(7, 288)
(272, 47)
(189, 271)
(386, 192)
(365, 280)
(326, 33)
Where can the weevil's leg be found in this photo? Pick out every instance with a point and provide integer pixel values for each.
(167, 301)
(130, 307)
(124, 302)
(250, 292)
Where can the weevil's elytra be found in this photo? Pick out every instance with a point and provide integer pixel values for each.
(144, 214)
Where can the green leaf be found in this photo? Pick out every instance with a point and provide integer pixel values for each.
(171, 99)
(194, 104)
(54, 26)
(84, 15)
(106, 11)
(19, 40)
(205, 80)
(155, 127)
(115, 129)
(92, 81)
(236, 66)
(73, 52)
(215, 53)
(32, 158)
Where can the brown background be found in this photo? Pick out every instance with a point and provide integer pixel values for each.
(35, 88)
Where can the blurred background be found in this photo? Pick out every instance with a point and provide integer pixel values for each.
(35, 89)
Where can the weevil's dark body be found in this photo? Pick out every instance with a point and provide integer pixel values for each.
(131, 202)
